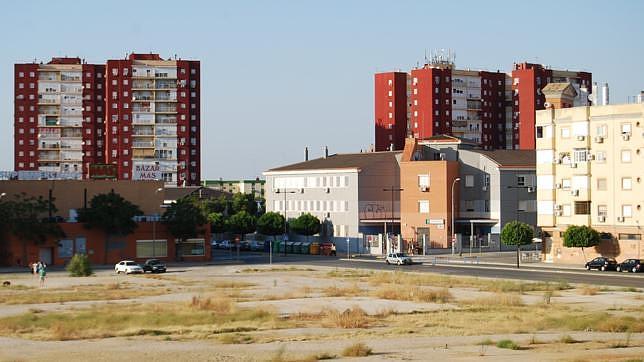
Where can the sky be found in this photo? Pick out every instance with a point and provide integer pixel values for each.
(278, 76)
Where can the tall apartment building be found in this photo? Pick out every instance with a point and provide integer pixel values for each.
(58, 116)
(141, 114)
(493, 109)
(589, 172)
(528, 81)
(153, 118)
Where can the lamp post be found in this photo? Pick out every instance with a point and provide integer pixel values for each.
(285, 192)
(154, 227)
(518, 213)
(392, 189)
(452, 211)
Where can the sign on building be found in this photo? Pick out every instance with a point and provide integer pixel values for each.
(101, 171)
(146, 172)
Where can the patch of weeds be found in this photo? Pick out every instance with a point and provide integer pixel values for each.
(234, 329)
(357, 350)
(220, 305)
(588, 290)
(631, 290)
(507, 344)
(486, 342)
(567, 339)
(500, 299)
(534, 340)
(622, 344)
(236, 338)
(417, 294)
(335, 291)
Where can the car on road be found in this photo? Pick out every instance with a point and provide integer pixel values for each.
(244, 245)
(128, 267)
(398, 259)
(631, 265)
(153, 266)
(256, 245)
(602, 263)
(220, 244)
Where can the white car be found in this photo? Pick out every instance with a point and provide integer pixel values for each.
(398, 258)
(128, 267)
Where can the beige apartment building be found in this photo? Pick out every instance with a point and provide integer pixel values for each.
(590, 165)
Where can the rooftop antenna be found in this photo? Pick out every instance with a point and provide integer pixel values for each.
(426, 56)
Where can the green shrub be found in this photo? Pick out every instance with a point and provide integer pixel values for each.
(508, 344)
(356, 350)
(79, 266)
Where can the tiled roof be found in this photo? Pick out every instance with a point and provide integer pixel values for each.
(511, 158)
(340, 161)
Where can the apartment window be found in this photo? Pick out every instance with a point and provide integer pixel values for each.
(582, 207)
(469, 180)
(580, 155)
(539, 132)
(390, 93)
(521, 181)
(114, 82)
(565, 132)
(21, 85)
(602, 210)
(627, 183)
(627, 210)
(32, 74)
(423, 206)
(626, 128)
(626, 156)
(600, 156)
(601, 130)
(115, 71)
(602, 184)
(436, 90)
(191, 247)
(151, 248)
(423, 180)
(415, 91)
(21, 74)
(624, 236)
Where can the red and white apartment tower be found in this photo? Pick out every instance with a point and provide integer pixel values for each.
(153, 119)
(493, 109)
(58, 116)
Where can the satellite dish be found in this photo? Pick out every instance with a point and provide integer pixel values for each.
(591, 97)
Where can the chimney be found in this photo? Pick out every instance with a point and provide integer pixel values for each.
(306, 153)
(326, 151)
(605, 95)
(595, 93)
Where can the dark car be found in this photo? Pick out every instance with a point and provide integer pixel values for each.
(602, 263)
(631, 265)
(244, 245)
(153, 266)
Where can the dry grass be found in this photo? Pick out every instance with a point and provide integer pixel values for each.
(275, 269)
(499, 299)
(354, 317)
(417, 294)
(351, 291)
(231, 284)
(588, 290)
(357, 350)
(219, 305)
(111, 291)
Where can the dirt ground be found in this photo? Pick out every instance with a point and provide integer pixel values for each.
(439, 322)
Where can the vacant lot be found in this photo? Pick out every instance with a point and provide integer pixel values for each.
(231, 313)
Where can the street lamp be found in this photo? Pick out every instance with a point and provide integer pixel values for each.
(392, 189)
(154, 227)
(285, 192)
(453, 231)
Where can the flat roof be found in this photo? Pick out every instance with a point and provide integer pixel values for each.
(341, 161)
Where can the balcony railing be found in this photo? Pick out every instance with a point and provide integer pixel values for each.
(143, 144)
(167, 120)
(142, 109)
(68, 78)
(142, 121)
(166, 109)
(142, 133)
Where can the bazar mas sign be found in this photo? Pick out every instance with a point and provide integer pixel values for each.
(146, 172)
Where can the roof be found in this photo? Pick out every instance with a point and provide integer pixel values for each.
(341, 161)
(443, 138)
(559, 88)
(511, 158)
(176, 193)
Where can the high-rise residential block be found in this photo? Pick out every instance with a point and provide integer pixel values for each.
(140, 114)
(153, 118)
(494, 109)
(58, 116)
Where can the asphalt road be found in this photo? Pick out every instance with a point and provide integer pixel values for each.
(528, 273)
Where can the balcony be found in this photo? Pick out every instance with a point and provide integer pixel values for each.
(142, 85)
(143, 132)
(166, 119)
(166, 98)
(142, 109)
(143, 144)
(70, 78)
(49, 146)
(166, 109)
(71, 123)
(143, 121)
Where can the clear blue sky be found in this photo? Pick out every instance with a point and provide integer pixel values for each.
(281, 75)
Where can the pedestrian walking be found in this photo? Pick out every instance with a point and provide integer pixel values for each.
(42, 273)
(34, 269)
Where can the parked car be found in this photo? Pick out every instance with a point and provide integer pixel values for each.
(127, 267)
(153, 266)
(631, 265)
(244, 245)
(398, 258)
(256, 245)
(220, 244)
(602, 263)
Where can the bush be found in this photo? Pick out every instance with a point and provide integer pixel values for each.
(80, 266)
(508, 344)
(357, 350)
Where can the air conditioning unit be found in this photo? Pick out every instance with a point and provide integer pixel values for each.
(620, 219)
(574, 192)
(591, 157)
(601, 218)
(328, 190)
(532, 189)
(558, 186)
(626, 137)
(424, 188)
(558, 161)
(581, 138)
(557, 207)
(599, 139)
(573, 165)
(559, 213)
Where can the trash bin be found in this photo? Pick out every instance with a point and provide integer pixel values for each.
(296, 248)
(305, 248)
(315, 249)
(289, 247)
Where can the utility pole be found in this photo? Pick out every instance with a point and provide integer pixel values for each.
(393, 189)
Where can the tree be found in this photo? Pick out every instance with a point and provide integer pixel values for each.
(26, 218)
(580, 236)
(183, 219)
(79, 266)
(244, 202)
(271, 223)
(112, 214)
(517, 233)
(305, 224)
(217, 222)
(241, 223)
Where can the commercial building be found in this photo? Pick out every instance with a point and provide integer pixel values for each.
(150, 239)
(141, 114)
(589, 172)
(153, 119)
(354, 195)
(58, 116)
(493, 109)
